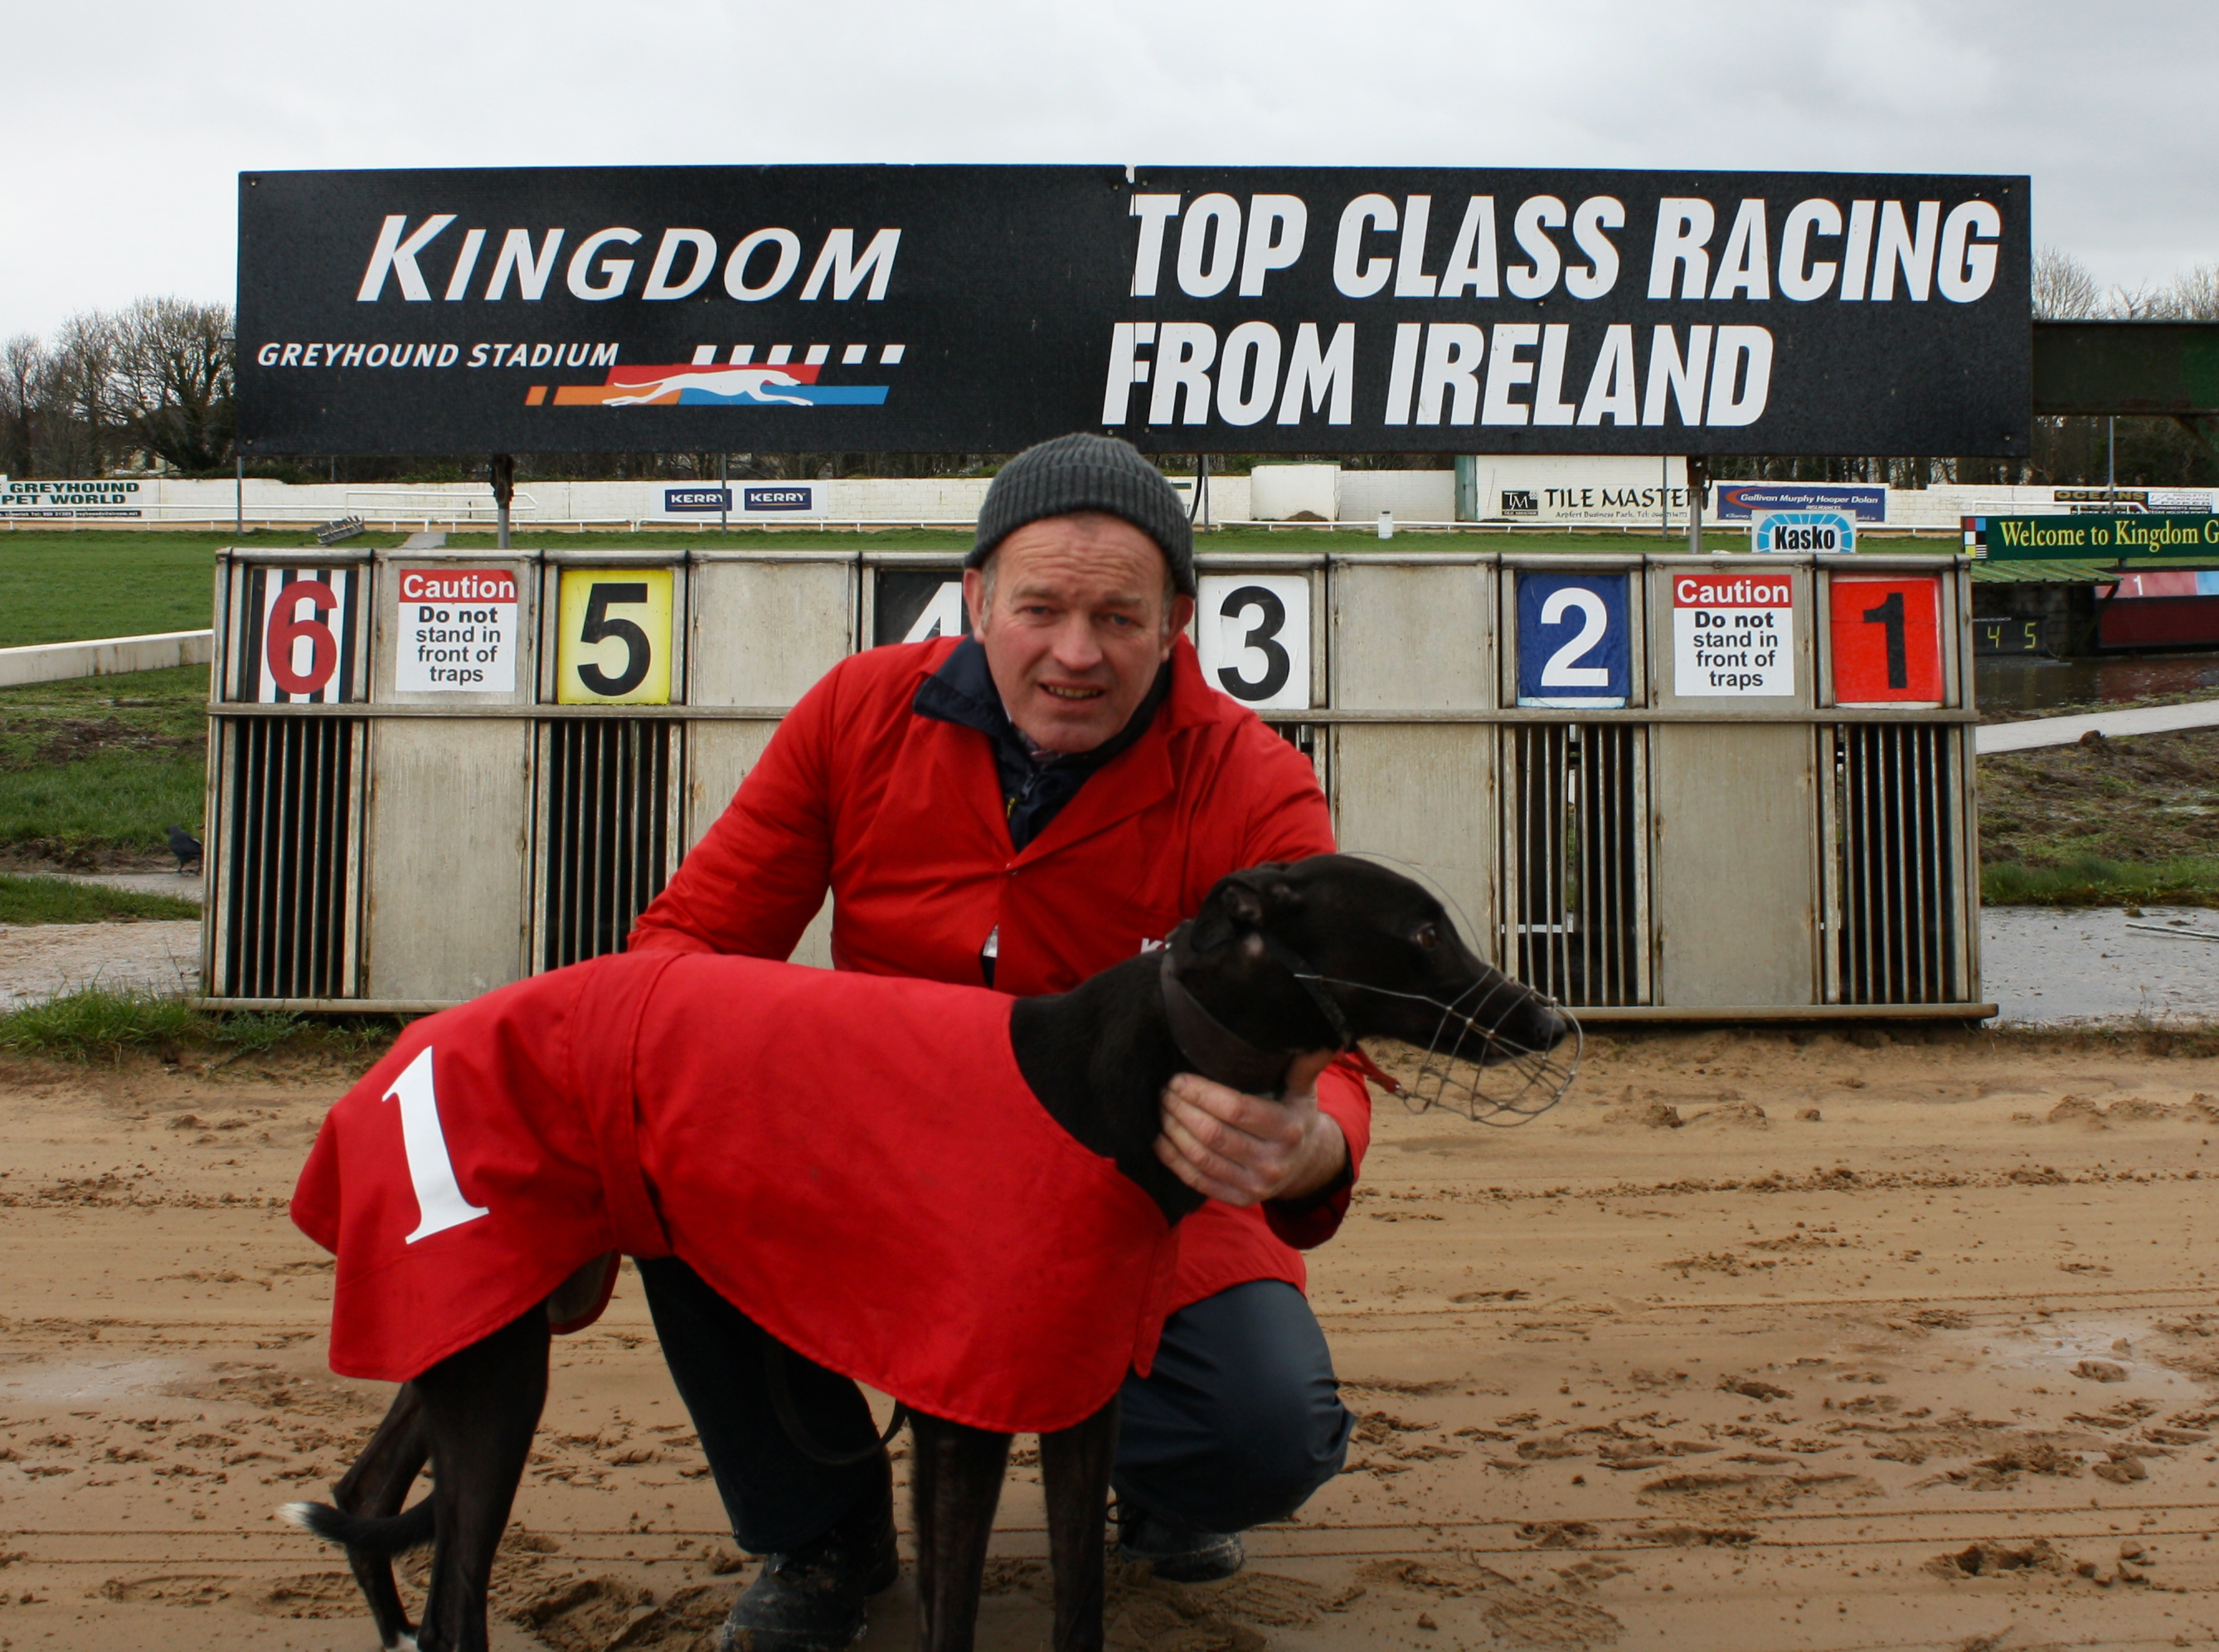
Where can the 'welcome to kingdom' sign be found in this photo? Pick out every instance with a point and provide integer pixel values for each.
(2028, 538)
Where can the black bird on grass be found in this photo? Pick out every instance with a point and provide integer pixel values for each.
(184, 845)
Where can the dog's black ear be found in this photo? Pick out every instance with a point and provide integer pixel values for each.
(1242, 903)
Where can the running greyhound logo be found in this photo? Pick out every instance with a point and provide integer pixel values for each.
(710, 384)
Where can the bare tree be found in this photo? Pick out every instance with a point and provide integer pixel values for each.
(2063, 289)
(173, 380)
(23, 375)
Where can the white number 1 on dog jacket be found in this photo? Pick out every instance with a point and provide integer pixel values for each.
(854, 1161)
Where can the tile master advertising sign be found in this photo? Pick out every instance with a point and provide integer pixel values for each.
(1240, 309)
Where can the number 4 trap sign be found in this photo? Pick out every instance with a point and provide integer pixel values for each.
(457, 632)
(300, 644)
(1252, 631)
(1574, 647)
(613, 647)
(1886, 637)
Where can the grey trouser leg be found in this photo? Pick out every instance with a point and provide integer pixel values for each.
(1240, 1419)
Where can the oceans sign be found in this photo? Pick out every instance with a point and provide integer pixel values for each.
(457, 632)
(1827, 532)
(1738, 501)
(1258, 309)
(1733, 634)
(2037, 538)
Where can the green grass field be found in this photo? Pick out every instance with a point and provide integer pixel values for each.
(99, 765)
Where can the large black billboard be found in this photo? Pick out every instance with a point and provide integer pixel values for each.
(1230, 310)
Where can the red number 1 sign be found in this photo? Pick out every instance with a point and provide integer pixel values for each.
(1886, 634)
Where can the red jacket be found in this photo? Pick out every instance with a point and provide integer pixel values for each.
(928, 1229)
(900, 816)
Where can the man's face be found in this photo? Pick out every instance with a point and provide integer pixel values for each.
(1078, 620)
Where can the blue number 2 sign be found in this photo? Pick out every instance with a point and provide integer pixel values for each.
(1573, 647)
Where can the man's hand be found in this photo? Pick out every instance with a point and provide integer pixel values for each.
(1247, 1149)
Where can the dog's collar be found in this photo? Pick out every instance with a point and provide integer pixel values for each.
(1214, 1050)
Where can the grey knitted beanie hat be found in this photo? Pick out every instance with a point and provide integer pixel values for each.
(1087, 473)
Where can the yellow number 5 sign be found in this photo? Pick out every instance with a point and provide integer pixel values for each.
(614, 643)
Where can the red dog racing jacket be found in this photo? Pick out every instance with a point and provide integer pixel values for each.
(900, 816)
(854, 1161)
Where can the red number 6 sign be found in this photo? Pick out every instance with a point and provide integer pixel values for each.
(306, 648)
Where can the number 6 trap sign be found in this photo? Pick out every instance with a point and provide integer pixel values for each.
(300, 645)
(1887, 638)
(457, 632)
(612, 644)
(1733, 634)
(1574, 641)
(1252, 631)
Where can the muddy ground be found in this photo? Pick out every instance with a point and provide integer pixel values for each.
(2149, 799)
(1757, 1342)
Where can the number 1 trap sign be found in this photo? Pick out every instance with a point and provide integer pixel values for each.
(1733, 634)
(457, 632)
(1887, 638)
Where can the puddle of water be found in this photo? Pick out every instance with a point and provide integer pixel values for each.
(2054, 1345)
(2044, 965)
(2017, 683)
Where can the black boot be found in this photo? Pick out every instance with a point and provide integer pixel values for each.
(810, 1598)
(1178, 1554)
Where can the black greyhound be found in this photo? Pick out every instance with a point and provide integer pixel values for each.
(1282, 960)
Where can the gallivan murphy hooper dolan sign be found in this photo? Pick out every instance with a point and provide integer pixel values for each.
(1257, 309)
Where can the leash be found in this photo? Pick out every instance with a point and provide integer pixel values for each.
(789, 1417)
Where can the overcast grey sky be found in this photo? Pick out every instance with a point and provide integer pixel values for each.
(127, 123)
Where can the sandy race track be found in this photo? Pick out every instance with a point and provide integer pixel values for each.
(1758, 1342)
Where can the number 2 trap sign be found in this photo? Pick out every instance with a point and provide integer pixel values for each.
(613, 644)
(1574, 646)
(1887, 640)
(301, 644)
(456, 631)
(1733, 634)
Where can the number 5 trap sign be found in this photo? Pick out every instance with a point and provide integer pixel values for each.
(1574, 641)
(1733, 634)
(1886, 637)
(300, 643)
(1252, 631)
(457, 632)
(613, 646)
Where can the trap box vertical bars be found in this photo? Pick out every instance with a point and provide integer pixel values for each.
(1644, 784)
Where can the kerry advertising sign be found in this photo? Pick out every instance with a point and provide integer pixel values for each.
(1227, 309)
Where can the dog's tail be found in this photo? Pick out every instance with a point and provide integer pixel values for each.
(392, 1534)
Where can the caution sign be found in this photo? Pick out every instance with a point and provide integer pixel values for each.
(1733, 634)
(300, 644)
(613, 644)
(455, 631)
(1887, 640)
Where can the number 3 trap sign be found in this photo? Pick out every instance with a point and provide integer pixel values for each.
(301, 644)
(457, 632)
(1252, 631)
(613, 643)
(1733, 634)
(1574, 647)
(1887, 638)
